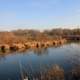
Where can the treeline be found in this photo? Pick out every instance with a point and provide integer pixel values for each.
(61, 32)
(46, 33)
(26, 35)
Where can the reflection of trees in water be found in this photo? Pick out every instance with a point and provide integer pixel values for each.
(47, 73)
(74, 60)
(43, 71)
(54, 73)
(41, 51)
(57, 73)
(51, 72)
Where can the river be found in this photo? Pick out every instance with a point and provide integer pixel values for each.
(33, 61)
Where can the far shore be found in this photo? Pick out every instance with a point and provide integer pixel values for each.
(31, 44)
(26, 39)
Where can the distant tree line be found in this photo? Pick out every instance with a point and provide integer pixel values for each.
(26, 35)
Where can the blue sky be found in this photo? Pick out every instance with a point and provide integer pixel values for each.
(39, 14)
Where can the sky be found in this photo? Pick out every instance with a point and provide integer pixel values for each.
(39, 14)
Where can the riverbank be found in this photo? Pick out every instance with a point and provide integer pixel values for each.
(20, 40)
(31, 44)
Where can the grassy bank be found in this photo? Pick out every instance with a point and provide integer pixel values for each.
(25, 39)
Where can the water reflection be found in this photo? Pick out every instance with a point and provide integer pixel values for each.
(41, 62)
(2, 58)
(40, 51)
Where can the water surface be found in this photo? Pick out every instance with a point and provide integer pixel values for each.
(32, 61)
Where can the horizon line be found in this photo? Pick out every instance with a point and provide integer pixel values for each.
(14, 27)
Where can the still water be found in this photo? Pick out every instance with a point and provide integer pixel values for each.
(32, 61)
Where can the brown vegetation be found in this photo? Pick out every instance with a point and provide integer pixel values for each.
(20, 39)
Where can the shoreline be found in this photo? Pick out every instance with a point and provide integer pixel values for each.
(30, 44)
